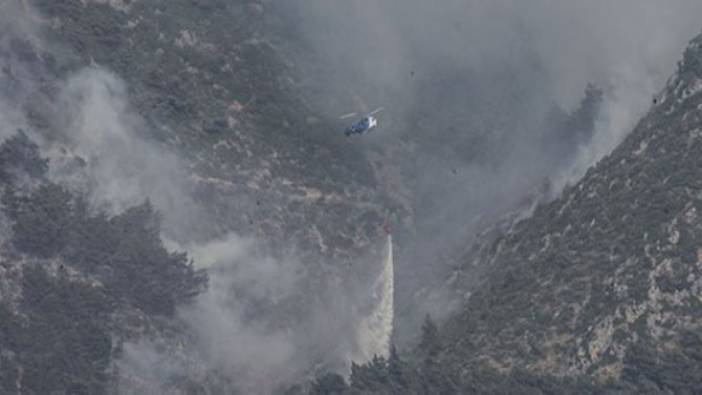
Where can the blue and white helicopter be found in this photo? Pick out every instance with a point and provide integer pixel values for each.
(364, 125)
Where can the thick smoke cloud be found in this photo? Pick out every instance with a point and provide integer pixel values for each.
(572, 42)
(473, 68)
(468, 87)
(234, 330)
(381, 52)
(120, 166)
(259, 325)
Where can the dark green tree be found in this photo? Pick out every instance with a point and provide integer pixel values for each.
(430, 343)
(370, 377)
(396, 367)
(329, 384)
(19, 154)
(40, 220)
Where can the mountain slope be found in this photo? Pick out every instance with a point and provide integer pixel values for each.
(210, 84)
(607, 279)
(166, 102)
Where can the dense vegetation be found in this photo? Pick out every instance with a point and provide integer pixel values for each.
(77, 267)
(647, 372)
(57, 340)
(424, 373)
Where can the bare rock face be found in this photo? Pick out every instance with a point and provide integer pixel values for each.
(605, 280)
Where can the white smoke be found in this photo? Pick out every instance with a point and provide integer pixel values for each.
(375, 330)
(619, 114)
(121, 165)
(145, 367)
(249, 325)
(233, 333)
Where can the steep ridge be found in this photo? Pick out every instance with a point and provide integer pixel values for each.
(605, 281)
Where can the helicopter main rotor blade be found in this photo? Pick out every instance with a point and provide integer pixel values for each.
(377, 110)
(349, 115)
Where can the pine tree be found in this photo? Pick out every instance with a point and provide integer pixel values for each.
(397, 371)
(19, 154)
(430, 344)
(329, 384)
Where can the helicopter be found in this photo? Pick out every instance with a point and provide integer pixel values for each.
(362, 126)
